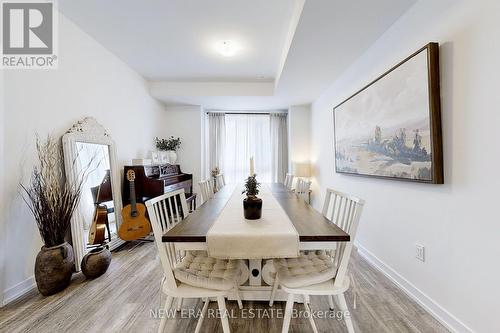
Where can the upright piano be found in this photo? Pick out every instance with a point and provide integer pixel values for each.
(154, 180)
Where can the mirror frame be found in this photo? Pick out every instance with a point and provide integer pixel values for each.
(89, 130)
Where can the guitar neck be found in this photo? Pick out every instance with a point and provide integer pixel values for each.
(133, 201)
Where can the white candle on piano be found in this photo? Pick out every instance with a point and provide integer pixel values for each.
(252, 171)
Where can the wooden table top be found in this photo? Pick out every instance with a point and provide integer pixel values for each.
(310, 224)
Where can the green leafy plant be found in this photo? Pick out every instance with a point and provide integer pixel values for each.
(168, 144)
(251, 186)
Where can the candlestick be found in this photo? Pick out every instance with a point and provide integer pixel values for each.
(252, 171)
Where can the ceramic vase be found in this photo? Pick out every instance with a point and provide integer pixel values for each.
(252, 207)
(53, 268)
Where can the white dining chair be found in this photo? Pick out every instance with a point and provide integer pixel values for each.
(303, 188)
(297, 184)
(193, 274)
(220, 181)
(316, 272)
(288, 181)
(207, 190)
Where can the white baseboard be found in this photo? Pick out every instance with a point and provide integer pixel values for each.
(18, 290)
(437, 311)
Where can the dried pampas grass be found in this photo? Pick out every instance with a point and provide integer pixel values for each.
(49, 196)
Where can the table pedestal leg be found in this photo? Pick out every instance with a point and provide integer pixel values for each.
(255, 267)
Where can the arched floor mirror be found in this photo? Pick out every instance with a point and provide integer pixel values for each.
(88, 148)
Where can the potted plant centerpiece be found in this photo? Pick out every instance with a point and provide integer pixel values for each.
(52, 200)
(168, 148)
(252, 206)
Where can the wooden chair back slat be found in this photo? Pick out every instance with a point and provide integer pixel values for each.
(324, 211)
(334, 210)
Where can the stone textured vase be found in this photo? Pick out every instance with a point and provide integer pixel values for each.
(96, 262)
(53, 268)
(252, 208)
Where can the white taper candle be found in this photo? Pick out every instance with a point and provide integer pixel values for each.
(252, 171)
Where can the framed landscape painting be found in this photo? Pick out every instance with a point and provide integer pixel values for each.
(392, 127)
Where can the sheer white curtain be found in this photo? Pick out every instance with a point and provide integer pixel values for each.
(247, 136)
(279, 146)
(216, 140)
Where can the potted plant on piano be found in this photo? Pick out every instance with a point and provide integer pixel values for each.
(168, 149)
(52, 201)
(252, 206)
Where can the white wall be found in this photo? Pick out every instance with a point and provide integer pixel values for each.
(90, 81)
(186, 122)
(2, 215)
(299, 124)
(456, 222)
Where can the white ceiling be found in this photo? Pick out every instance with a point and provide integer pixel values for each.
(172, 41)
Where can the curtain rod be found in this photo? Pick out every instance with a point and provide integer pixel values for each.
(246, 113)
(256, 113)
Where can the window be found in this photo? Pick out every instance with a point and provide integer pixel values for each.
(233, 138)
(247, 136)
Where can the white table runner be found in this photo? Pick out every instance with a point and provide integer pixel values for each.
(233, 237)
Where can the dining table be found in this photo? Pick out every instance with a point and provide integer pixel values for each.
(313, 230)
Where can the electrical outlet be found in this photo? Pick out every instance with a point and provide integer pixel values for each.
(420, 252)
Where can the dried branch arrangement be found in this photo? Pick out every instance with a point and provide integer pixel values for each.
(49, 196)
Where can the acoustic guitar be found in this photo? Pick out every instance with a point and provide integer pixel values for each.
(97, 232)
(135, 224)
(98, 227)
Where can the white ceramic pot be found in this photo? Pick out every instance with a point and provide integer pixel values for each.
(164, 158)
(155, 157)
(172, 156)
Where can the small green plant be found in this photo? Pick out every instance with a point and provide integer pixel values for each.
(168, 144)
(251, 186)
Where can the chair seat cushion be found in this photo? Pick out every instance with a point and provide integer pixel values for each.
(199, 270)
(311, 267)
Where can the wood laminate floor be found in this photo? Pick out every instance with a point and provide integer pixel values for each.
(127, 297)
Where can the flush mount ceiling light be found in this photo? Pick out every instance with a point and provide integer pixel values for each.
(226, 48)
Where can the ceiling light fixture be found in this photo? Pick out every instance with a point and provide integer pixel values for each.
(226, 48)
